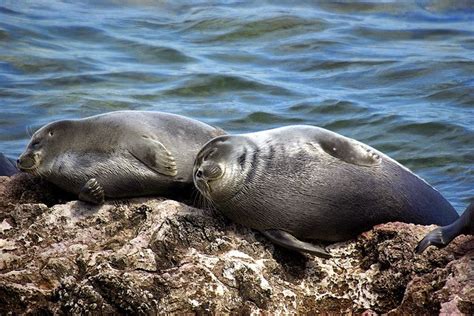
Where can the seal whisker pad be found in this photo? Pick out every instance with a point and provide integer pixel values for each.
(300, 183)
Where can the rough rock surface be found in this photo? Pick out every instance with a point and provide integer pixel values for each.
(150, 255)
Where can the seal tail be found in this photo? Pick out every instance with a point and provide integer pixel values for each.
(442, 236)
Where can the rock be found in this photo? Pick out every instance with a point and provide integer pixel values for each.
(151, 255)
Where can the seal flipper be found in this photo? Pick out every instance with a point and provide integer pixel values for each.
(154, 155)
(289, 241)
(442, 236)
(349, 150)
(436, 238)
(92, 192)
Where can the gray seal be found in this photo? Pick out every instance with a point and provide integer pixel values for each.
(7, 166)
(302, 182)
(442, 236)
(118, 154)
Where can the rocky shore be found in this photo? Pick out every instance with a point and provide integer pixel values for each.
(152, 255)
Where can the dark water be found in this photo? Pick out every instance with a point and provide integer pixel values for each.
(399, 77)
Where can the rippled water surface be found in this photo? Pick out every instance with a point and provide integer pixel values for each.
(399, 77)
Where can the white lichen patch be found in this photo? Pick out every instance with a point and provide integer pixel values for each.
(5, 226)
(208, 263)
(237, 260)
(343, 277)
(7, 245)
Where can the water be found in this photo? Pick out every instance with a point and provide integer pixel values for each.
(397, 76)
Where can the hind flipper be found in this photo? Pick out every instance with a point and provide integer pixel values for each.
(92, 192)
(442, 236)
(289, 241)
(435, 238)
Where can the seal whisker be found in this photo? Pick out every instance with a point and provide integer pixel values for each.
(29, 131)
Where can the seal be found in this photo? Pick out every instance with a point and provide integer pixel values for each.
(301, 182)
(442, 236)
(118, 154)
(7, 166)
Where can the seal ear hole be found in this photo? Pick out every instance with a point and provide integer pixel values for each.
(51, 133)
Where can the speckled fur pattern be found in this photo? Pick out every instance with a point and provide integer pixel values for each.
(314, 184)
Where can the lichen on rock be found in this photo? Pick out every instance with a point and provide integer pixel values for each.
(151, 255)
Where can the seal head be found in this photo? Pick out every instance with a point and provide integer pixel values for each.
(39, 156)
(218, 167)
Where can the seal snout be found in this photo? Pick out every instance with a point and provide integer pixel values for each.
(27, 162)
(209, 171)
(205, 173)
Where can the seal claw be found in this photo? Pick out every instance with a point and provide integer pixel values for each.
(92, 192)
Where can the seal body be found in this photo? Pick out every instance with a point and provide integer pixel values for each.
(118, 154)
(305, 182)
(7, 166)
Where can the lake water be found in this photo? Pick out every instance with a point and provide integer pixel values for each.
(397, 76)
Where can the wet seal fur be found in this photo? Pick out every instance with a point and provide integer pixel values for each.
(118, 154)
(302, 182)
(442, 236)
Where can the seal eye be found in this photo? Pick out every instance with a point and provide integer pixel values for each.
(198, 174)
(51, 133)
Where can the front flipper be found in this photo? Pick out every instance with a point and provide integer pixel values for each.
(92, 192)
(154, 155)
(289, 241)
(349, 150)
